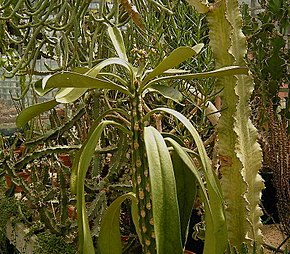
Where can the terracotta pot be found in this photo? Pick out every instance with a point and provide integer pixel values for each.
(20, 151)
(72, 213)
(25, 176)
(65, 159)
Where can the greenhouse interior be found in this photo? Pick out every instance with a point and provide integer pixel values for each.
(144, 127)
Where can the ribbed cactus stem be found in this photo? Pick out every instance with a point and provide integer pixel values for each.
(238, 151)
(140, 178)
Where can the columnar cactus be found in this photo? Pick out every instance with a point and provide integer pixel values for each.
(239, 153)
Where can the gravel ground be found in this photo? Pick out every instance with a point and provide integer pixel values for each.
(274, 237)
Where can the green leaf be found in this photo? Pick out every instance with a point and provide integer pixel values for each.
(81, 70)
(112, 61)
(164, 195)
(167, 91)
(33, 111)
(68, 95)
(221, 72)
(118, 42)
(39, 90)
(175, 71)
(217, 218)
(87, 151)
(176, 57)
(81, 81)
(186, 192)
(64, 95)
(109, 241)
(216, 234)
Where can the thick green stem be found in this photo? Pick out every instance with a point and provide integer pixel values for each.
(141, 181)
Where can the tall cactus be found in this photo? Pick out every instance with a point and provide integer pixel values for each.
(239, 153)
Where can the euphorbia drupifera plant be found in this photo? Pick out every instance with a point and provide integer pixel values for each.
(165, 173)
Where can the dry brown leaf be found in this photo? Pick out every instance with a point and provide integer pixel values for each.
(133, 13)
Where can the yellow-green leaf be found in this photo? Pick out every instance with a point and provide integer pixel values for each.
(118, 42)
(109, 241)
(176, 57)
(28, 113)
(164, 195)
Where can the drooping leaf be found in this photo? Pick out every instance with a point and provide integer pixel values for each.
(112, 61)
(176, 57)
(132, 11)
(186, 193)
(40, 85)
(81, 81)
(39, 90)
(217, 217)
(109, 241)
(167, 91)
(84, 158)
(68, 95)
(118, 42)
(216, 233)
(164, 195)
(33, 111)
(221, 72)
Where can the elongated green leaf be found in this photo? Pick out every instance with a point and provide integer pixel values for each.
(164, 195)
(39, 90)
(110, 239)
(40, 85)
(33, 111)
(118, 42)
(221, 72)
(186, 192)
(216, 234)
(87, 151)
(167, 91)
(74, 171)
(213, 186)
(177, 56)
(175, 71)
(68, 95)
(81, 81)
(81, 70)
(112, 61)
